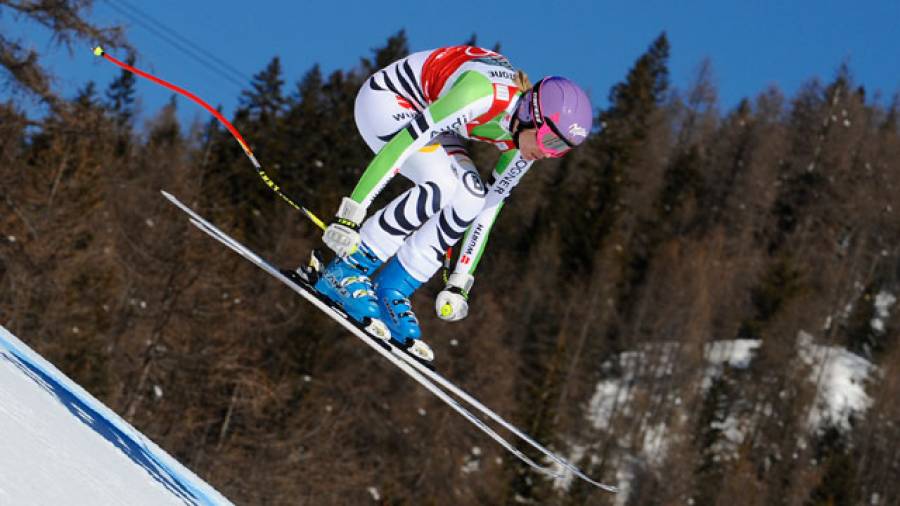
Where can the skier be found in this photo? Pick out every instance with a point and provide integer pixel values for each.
(415, 114)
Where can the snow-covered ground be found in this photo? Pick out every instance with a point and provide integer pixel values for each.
(838, 375)
(59, 445)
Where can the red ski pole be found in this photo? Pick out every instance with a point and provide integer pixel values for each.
(98, 51)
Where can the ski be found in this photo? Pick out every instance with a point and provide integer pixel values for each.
(406, 362)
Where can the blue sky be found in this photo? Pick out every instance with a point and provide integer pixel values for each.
(751, 44)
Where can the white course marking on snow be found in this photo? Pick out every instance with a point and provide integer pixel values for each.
(841, 377)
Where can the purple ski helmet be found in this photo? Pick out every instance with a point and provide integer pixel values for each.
(560, 110)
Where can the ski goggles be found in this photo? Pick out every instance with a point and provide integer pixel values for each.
(549, 139)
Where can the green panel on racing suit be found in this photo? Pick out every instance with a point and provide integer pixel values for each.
(508, 171)
(465, 91)
(465, 100)
(479, 245)
(505, 159)
(492, 129)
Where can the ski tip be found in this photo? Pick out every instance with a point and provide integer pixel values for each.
(602, 486)
(98, 51)
(171, 198)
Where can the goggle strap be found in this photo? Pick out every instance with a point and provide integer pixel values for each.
(536, 104)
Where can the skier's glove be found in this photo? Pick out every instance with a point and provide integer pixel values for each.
(342, 234)
(452, 304)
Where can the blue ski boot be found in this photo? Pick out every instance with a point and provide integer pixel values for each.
(346, 282)
(393, 287)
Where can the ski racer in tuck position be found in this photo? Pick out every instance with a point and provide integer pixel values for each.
(415, 115)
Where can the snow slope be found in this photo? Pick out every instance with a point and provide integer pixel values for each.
(60, 445)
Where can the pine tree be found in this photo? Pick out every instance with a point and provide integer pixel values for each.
(165, 130)
(264, 102)
(65, 19)
(889, 125)
(397, 47)
(120, 95)
(640, 95)
(86, 97)
(302, 165)
(597, 179)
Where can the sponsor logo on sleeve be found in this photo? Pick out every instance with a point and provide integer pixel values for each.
(510, 177)
(502, 74)
(470, 247)
(472, 182)
(501, 92)
(457, 126)
(478, 52)
(404, 116)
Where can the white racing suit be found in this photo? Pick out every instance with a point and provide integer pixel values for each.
(416, 114)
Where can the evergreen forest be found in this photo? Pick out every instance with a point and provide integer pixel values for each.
(615, 281)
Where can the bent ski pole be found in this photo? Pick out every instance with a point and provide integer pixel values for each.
(98, 51)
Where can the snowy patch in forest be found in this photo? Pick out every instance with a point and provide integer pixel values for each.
(840, 377)
(565, 476)
(655, 445)
(735, 353)
(473, 461)
(733, 431)
(612, 396)
(884, 301)
(471, 466)
(624, 478)
(631, 371)
(608, 396)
